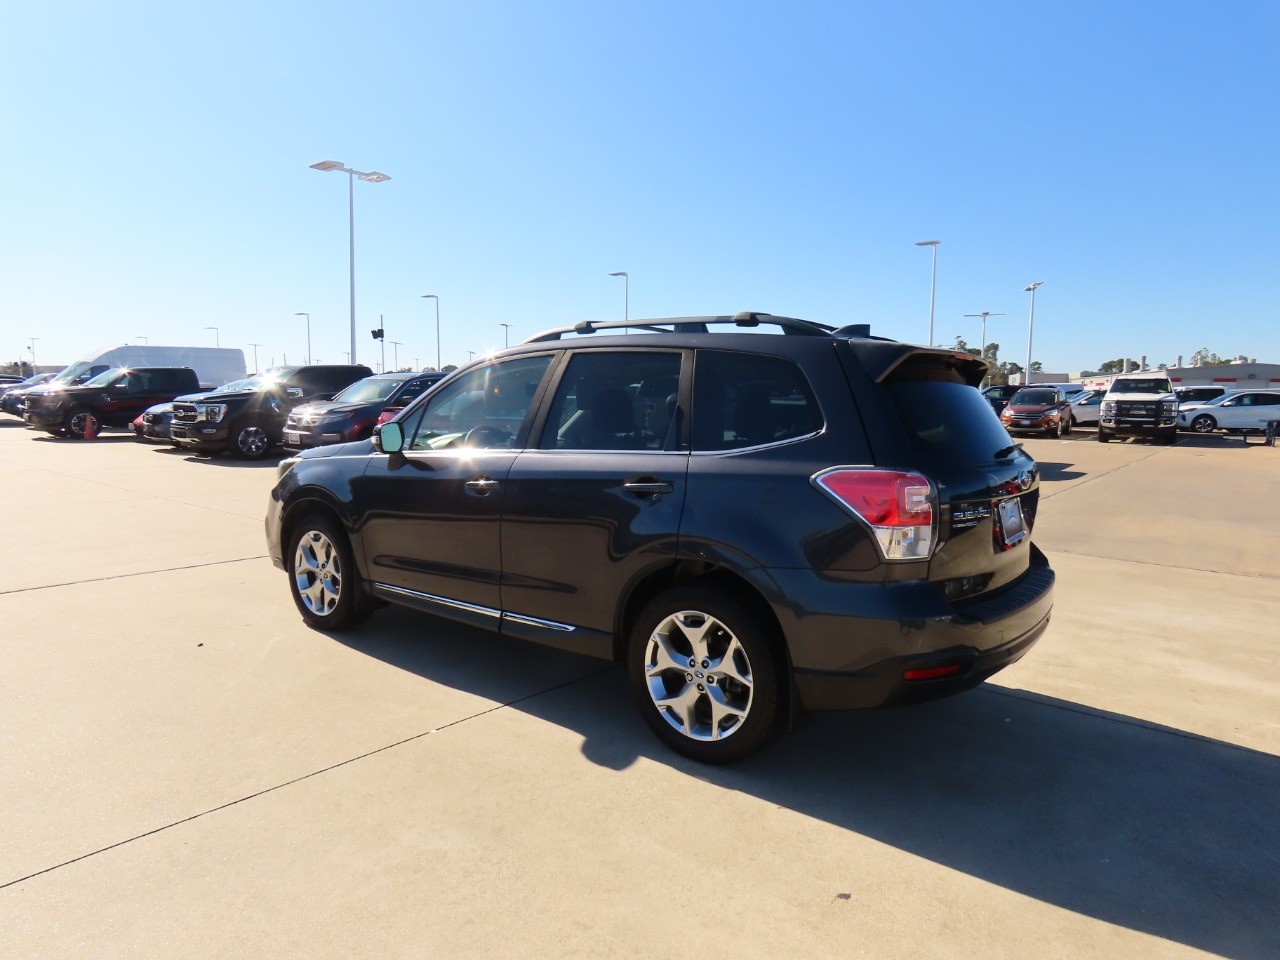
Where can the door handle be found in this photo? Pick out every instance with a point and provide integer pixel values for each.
(482, 487)
(647, 487)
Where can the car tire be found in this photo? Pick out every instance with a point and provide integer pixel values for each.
(77, 423)
(693, 653)
(323, 579)
(1204, 424)
(1103, 435)
(250, 440)
(1068, 424)
(1170, 437)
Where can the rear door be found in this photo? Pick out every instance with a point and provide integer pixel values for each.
(598, 502)
(1249, 411)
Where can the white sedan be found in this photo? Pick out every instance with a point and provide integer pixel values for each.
(1245, 410)
(1084, 409)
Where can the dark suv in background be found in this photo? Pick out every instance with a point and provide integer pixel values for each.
(248, 421)
(754, 524)
(111, 399)
(354, 412)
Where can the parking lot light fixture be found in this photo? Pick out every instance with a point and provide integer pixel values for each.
(626, 296)
(984, 314)
(369, 176)
(506, 335)
(1031, 325)
(216, 341)
(933, 279)
(32, 348)
(255, 355)
(308, 316)
(432, 296)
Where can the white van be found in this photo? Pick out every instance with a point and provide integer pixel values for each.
(213, 365)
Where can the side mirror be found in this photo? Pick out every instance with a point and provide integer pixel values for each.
(293, 393)
(388, 438)
(1228, 403)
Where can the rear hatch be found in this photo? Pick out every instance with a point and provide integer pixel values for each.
(923, 413)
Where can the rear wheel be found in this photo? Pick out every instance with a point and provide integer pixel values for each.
(323, 578)
(1204, 424)
(250, 441)
(81, 421)
(1068, 423)
(704, 674)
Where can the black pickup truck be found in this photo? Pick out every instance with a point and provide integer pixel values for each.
(111, 399)
(249, 420)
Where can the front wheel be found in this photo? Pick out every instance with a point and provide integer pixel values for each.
(1104, 435)
(250, 441)
(323, 578)
(1068, 422)
(80, 423)
(704, 674)
(1204, 424)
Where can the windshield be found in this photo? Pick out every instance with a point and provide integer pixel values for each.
(105, 377)
(249, 383)
(1154, 385)
(1034, 397)
(79, 372)
(369, 390)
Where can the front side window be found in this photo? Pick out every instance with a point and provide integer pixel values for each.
(615, 400)
(485, 408)
(746, 400)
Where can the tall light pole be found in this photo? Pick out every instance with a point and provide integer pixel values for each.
(372, 176)
(626, 295)
(470, 355)
(933, 280)
(395, 353)
(32, 348)
(506, 335)
(144, 340)
(1031, 325)
(432, 296)
(216, 341)
(255, 355)
(308, 316)
(984, 314)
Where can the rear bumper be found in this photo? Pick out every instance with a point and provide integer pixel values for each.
(852, 660)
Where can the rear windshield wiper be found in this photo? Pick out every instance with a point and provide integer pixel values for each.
(1004, 452)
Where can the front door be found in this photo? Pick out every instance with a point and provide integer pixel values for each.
(431, 538)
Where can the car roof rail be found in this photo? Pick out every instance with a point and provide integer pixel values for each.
(747, 319)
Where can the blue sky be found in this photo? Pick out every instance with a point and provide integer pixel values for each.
(729, 156)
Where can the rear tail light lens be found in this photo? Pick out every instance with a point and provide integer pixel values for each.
(897, 506)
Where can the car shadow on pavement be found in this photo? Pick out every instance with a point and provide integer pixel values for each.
(219, 459)
(1128, 822)
(1050, 470)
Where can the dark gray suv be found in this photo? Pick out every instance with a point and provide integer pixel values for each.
(755, 524)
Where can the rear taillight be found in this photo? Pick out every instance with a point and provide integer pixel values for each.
(897, 506)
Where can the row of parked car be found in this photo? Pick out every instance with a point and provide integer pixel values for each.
(1136, 403)
(292, 406)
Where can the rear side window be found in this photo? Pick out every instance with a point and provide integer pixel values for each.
(747, 400)
(615, 400)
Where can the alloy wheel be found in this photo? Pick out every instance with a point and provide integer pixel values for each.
(698, 676)
(317, 571)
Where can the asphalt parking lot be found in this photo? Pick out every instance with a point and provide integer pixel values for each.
(189, 771)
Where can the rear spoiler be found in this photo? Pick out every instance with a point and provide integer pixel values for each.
(885, 360)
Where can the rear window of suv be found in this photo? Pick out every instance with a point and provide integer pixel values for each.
(948, 420)
(747, 400)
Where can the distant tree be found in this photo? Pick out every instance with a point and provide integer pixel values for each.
(1204, 358)
(449, 368)
(1118, 365)
(964, 347)
(1037, 366)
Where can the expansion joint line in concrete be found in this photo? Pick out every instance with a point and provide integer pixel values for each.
(314, 773)
(137, 573)
(1169, 566)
